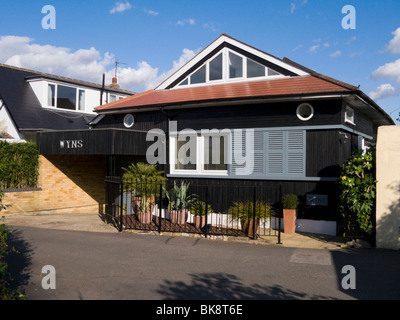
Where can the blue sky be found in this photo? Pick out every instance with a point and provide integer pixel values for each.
(153, 38)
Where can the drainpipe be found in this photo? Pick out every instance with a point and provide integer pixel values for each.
(166, 165)
(102, 90)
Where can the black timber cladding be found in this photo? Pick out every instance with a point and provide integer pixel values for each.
(93, 142)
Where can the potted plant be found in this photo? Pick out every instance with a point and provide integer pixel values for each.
(245, 211)
(143, 181)
(198, 209)
(290, 203)
(179, 202)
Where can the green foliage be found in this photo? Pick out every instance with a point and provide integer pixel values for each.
(357, 184)
(144, 178)
(290, 201)
(199, 208)
(19, 165)
(245, 210)
(5, 292)
(179, 197)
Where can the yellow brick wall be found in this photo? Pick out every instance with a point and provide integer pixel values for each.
(68, 183)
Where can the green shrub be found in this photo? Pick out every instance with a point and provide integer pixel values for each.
(290, 201)
(357, 184)
(144, 178)
(19, 165)
(5, 292)
(245, 210)
(199, 208)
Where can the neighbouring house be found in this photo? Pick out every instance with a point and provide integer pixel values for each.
(235, 114)
(32, 101)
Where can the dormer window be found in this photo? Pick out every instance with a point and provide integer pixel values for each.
(228, 66)
(65, 97)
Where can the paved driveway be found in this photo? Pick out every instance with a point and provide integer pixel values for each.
(92, 265)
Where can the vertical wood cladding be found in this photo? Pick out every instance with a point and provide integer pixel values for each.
(265, 115)
(300, 188)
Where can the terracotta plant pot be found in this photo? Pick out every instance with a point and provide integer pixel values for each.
(247, 226)
(199, 221)
(144, 217)
(289, 220)
(179, 216)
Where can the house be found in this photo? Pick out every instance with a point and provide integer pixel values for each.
(234, 115)
(32, 101)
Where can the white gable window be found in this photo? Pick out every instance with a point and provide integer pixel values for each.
(228, 66)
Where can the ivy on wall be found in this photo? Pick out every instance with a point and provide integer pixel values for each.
(19, 165)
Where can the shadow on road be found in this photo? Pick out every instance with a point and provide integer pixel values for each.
(18, 260)
(377, 274)
(223, 286)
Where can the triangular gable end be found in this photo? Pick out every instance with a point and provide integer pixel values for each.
(229, 60)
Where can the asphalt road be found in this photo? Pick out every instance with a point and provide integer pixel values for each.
(99, 266)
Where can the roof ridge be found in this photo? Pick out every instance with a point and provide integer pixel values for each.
(321, 76)
(53, 76)
(135, 96)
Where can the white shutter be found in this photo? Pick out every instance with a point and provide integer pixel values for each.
(295, 152)
(275, 143)
(276, 154)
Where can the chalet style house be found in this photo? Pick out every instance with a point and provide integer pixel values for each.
(233, 114)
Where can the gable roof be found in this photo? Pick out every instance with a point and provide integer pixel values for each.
(25, 109)
(298, 81)
(226, 41)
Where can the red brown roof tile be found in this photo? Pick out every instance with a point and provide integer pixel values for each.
(241, 90)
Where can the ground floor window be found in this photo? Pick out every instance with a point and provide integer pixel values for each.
(199, 153)
(253, 153)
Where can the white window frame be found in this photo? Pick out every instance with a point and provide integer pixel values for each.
(200, 171)
(125, 122)
(77, 90)
(347, 118)
(301, 117)
(225, 72)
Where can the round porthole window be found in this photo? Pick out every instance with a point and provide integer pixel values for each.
(305, 111)
(129, 121)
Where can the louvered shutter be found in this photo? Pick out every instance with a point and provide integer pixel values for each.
(275, 148)
(295, 152)
(276, 154)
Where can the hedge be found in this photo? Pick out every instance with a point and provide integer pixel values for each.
(19, 165)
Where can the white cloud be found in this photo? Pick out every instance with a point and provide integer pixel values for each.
(120, 7)
(297, 47)
(314, 48)
(383, 91)
(296, 4)
(186, 21)
(335, 54)
(351, 40)
(151, 12)
(390, 70)
(394, 44)
(82, 64)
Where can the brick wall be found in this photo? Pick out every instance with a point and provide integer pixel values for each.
(68, 184)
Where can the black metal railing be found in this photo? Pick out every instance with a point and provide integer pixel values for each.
(208, 208)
